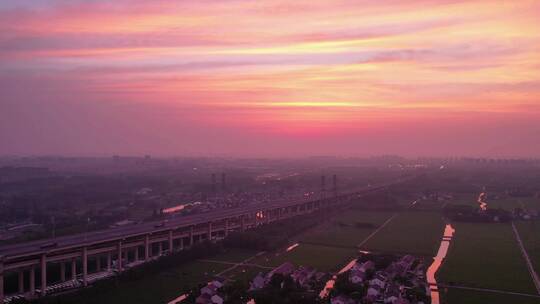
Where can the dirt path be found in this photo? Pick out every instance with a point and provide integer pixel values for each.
(377, 230)
(234, 264)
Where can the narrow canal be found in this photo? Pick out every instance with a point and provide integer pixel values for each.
(437, 262)
(330, 283)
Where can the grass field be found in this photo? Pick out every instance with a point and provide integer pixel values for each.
(234, 255)
(322, 258)
(530, 235)
(410, 232)
(244, 273)
(159, 288)
(166, 285)
(341, 230)
(486, 256)
(457, 296)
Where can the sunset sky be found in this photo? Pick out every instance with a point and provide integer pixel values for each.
(270, 77)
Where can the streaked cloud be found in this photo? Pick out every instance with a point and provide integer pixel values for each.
(292, 68)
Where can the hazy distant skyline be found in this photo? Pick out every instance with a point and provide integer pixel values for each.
(270, 78)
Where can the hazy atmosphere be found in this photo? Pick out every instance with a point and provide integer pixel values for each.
(269, 152)
(270, 78)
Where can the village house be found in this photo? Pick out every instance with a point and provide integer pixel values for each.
(342, 300)
(378, 280)
(357, 276)
(258, 282)
(374, 291)
(284, 269)
(216, 299)
(303, 275)
(209, 289)
(209, 294)
(391, 294)
(204, 299)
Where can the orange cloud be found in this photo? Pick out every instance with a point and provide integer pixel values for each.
(300, 65)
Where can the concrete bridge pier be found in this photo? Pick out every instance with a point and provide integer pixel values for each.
(1, 280)
(146, 247)
(85, 265)
(43, 263)
(62, 271)
(73, 269)
(98, 263)
(171, 249)
(20, 281)
(109, 261)
(136, 254)
(119, 260)
(33, 280)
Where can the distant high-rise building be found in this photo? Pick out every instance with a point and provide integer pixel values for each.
(334, 184)
(323, 187)
(214, 187)
(223, 184)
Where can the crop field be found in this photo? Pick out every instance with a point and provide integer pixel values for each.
(166, 285)
(323, 258)
(348, 229)
(458, 296)
(486, 256)
(410, 232)
(244, 273)
(234, 255)
(158, 288)
(530, 235)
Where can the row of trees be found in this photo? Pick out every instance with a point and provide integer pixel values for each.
(466, 213)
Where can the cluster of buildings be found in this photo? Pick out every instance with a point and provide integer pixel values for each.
(210, 293)
(305, 277)
(401, 282)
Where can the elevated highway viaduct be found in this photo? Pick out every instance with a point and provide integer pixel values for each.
(110, 250)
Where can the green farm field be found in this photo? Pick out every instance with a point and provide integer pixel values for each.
(486, 256)
(323, 258)
(159, 288)
(459, 296)
(410, 232)
(341, 230)
(530, 235)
